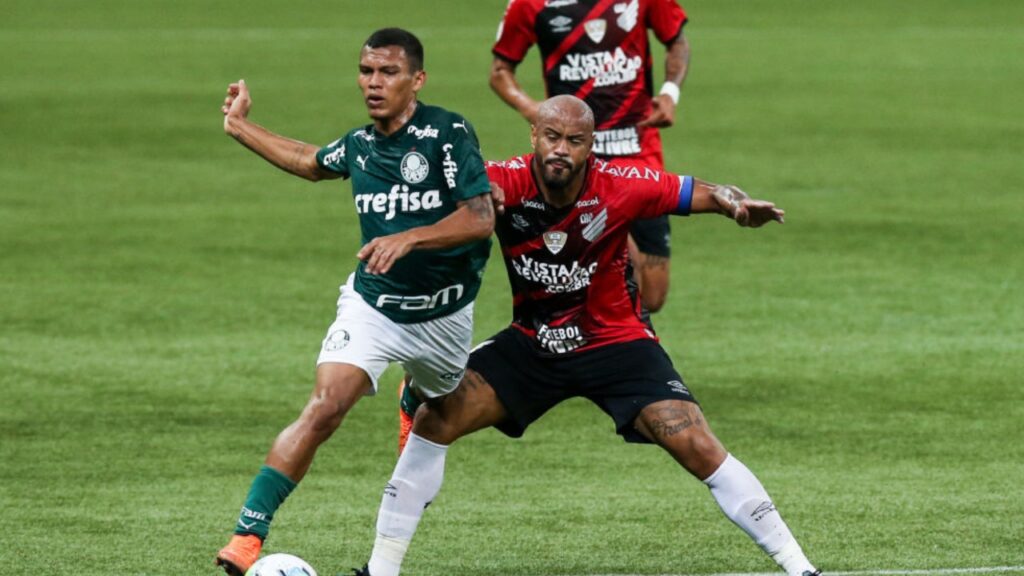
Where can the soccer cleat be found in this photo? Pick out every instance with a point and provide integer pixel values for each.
(404, 420)
(809, 573)
(366, 567)
(241, 552)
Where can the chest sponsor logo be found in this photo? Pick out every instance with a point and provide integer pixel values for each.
(533, 204)
(399, 199)
(421, 133)
(414, 167)
(443, 297)
(560, 339)
(450, 167)
(595, 29)
(335, 157)
(587, 203)
(555, 240)
(617, 142)
(628, 12)
(596, 226)
(560, 23)
(607, 68)
(557, 278)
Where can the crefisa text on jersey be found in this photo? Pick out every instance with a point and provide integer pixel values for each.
(398, 199)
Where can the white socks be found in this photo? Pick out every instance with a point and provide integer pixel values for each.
(414, 484)
(744, 501)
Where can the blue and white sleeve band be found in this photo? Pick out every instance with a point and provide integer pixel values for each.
(685, 196)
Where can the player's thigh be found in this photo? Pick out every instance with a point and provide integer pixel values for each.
(363, 338)
(679, 426)
(443, 346)
(472, 406)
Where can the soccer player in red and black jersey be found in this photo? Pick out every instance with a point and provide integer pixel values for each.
(598, 50)
(577, 331)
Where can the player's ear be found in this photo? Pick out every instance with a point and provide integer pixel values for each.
(419, 78)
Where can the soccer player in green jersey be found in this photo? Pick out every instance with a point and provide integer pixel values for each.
(425, 211)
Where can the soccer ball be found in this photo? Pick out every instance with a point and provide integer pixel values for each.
(281, 565)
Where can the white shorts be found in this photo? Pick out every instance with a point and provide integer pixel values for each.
(433, 352)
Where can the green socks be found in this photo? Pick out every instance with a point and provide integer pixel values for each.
(268, 491)
(409, 401)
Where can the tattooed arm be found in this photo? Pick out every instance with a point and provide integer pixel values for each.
(473, 220)
(292, 156)
(735, 203)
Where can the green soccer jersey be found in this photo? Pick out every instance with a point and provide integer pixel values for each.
(414, 177)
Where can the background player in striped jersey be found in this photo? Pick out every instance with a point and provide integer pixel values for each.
(598, 50)
(576, 331)
(426, 217)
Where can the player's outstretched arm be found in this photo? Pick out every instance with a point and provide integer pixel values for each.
(504, 83)
(292, 156)
(735, 203)
(473, 220)
(677, 63)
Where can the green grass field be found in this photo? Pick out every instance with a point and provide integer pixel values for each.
(163, 294)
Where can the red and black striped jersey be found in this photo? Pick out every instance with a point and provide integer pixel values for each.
(568, 266)
(598, 51)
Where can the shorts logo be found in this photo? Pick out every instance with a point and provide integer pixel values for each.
(596, 226)
(555, 240)
(451, 377)
(678, 386)
(560, 24)
(336, 340)
(414, 168)
(595, 29)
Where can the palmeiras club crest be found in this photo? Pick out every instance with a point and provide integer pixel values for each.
(414, 167)
(555, 240)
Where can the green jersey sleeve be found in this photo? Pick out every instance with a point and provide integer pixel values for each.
(464, 171)
(332, 157)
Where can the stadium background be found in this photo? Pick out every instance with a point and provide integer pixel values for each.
(163, 293)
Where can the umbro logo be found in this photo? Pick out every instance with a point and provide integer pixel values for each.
(763, 509)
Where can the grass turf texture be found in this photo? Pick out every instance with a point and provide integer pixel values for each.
(164, 293)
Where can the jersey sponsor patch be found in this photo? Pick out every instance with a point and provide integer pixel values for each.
(617, 142)
(561, 339)
(607, 68)
(414, 168)
(427, 131)
(557, 278)
(450, 167)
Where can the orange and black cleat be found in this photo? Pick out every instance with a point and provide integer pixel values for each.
(404, 420)
(241, 552)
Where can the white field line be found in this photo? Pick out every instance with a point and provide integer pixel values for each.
(880, 572)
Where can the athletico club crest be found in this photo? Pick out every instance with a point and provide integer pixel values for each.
(595, 29)
(555, 240)
(414, 167)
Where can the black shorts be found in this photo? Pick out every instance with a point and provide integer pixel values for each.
(653, 236)
(621, 379)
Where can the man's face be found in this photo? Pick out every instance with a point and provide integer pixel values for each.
(388, 85)
(561, 143)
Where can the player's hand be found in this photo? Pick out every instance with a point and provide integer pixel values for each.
(381, 253)
(663, 112)
(498, 198)
(236, 104)
(745, 210)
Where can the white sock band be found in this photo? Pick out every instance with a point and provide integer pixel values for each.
(744, 501)
(414, 484)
